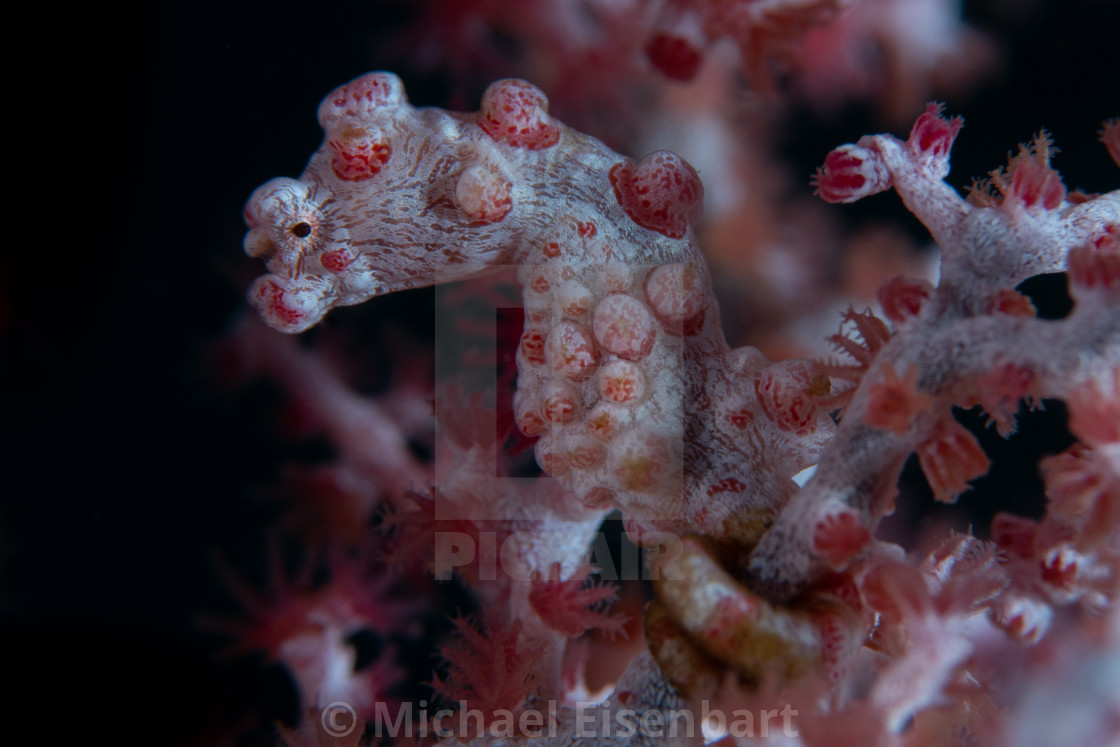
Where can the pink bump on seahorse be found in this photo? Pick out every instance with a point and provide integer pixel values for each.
(624, 371)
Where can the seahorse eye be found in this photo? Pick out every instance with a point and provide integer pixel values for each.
(301, 230)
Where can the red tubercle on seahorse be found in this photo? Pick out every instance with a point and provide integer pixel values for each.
(662, 192)
(515, 113)
(358, 154)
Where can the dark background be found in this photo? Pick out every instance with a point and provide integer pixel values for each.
(128, 463)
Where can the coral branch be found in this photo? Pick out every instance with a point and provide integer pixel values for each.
(638, 403)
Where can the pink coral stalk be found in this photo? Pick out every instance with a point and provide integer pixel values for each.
(638, 403)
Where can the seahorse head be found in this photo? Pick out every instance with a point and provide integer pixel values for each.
(395, 198)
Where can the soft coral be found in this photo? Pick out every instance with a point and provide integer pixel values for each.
(307, 626)
(572, 607)
(490, 669)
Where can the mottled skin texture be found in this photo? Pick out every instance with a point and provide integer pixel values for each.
(624, 372)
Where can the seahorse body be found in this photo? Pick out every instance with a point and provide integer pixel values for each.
(623, 369)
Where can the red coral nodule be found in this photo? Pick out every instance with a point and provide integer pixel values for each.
(790, 393)
(902, 298)
(849, 174)
(674, 57)
(1097, 265)
(839, 536)
(895, 401)
(934, 134)
(950, 458)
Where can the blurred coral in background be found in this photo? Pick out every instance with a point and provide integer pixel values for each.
(569, 483)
